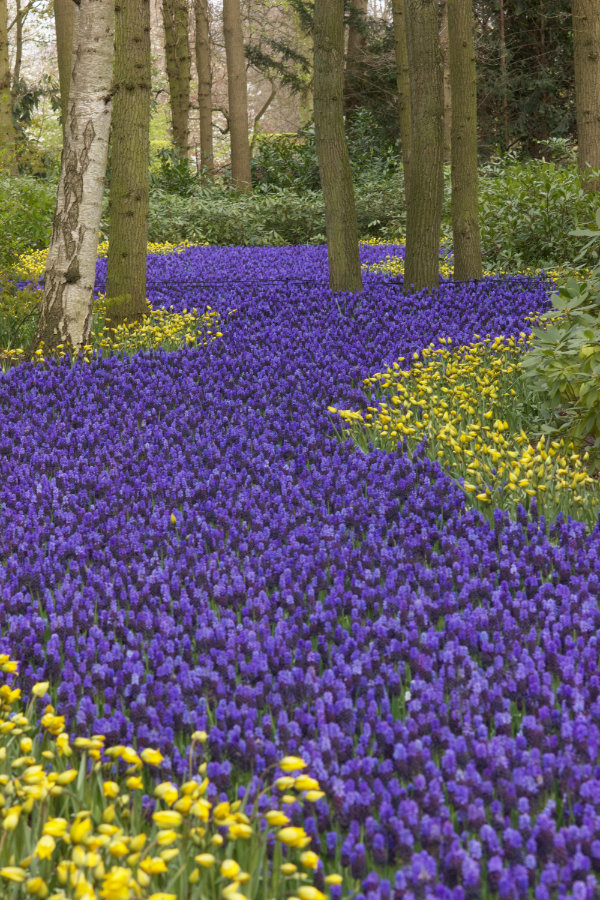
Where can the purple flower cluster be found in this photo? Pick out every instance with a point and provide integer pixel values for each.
(438, 673)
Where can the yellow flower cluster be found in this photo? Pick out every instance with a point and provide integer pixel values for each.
(72, 825)
(394, 265)
(32, 265)
(158, 328)
(465, 405)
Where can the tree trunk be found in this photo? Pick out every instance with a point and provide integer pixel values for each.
(130, 160)
(355, 54)
(586, 46)
(8, 159)
(203, 69)
(238, 95)
(424, 214)
(332, 150)
(465, 216)
(65, 12)
(177, 53)
(19, 16)
(447, 90)
(403, 86)
(304, 46)
(504, 74)
(66, 314)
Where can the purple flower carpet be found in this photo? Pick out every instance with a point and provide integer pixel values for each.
(186, 544)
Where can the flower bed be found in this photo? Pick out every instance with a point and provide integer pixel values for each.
(186, 545)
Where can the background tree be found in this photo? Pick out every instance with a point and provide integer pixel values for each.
(203, 69)
(237, 90)
(426, 190)
(524, 56)
(403, 82)
(586, 41)
(66, 312)
(332, 150)
(355, 52)
(130, 160)
(64, 20)
(466, 237)
(177, 55)
(8, 160)
(447, 90)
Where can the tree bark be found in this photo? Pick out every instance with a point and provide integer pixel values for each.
(18, 45)
(355, 53)
(424, 214)
(177, 53)
(66, 313)
(203, 68)
(65, 12)
(447, 90)
(332, 150)
(8, 158)
(504, 74)
(586, 46)
(238, 95)
(130, 160)
(403, 86)
(465, 215)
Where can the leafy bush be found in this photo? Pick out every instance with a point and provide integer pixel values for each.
(563, 365)
(174, 174)
(528, 211)
(286, 161)
(27, 205)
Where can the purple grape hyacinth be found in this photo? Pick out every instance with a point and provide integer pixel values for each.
(186, 544)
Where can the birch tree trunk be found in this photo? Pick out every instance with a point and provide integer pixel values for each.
(8, 159)
(64, 23)
(465, 214)
(177, 53)
(332, 150)
(130, 161)
(424, 213)
(66, 314)
(203, 69)
(403, 86)
(238, 95)
(586, 46)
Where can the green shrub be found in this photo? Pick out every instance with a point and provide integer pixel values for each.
(286, 161)
(27, 206)
(563, 365)
(528, 211)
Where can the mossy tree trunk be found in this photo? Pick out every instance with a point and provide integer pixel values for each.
(8, 158)
(403, 87)
(130, 157)
(66, 312)
(176, 18)
(65, 12)
(465, 215)
(237, 94)
(355, 54)
(424, 213)
(203, 68)
(332, 150)
(586, 46)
